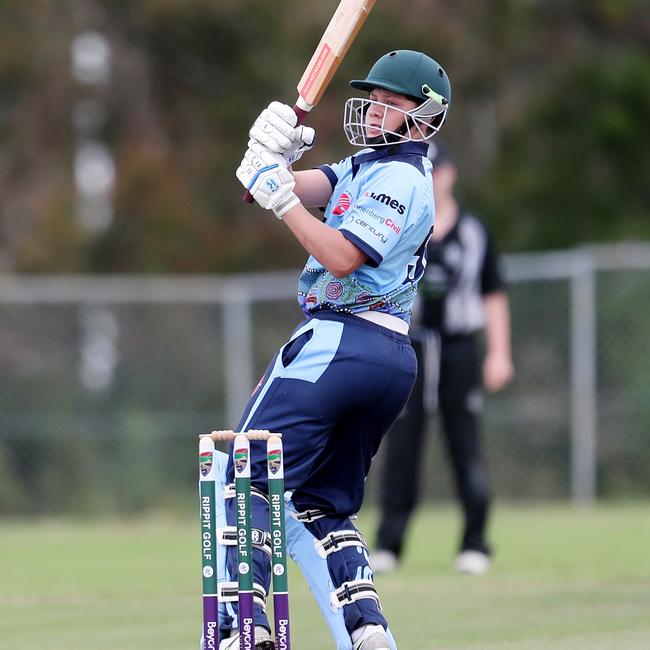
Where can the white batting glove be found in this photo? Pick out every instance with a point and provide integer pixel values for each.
(265, 175)
(276, 129)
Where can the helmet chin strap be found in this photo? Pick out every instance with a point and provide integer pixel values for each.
(389, 138)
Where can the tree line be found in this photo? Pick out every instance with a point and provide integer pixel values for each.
(547, 122)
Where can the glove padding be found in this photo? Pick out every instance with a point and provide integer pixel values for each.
(265, 175)
(276, 130)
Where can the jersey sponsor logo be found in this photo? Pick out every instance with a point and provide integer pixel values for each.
(393, 226)
(342, 204)
(388, 222)
(372, 230)
(371, 214)
(387, 200)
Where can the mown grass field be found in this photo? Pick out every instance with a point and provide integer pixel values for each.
(563, 578)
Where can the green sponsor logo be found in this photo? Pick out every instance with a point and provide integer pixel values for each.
(274, 460)
(205, 462)
(240, 458)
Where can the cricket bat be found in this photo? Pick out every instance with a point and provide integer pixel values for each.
(334, 44)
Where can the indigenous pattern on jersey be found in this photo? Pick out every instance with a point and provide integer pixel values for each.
(463, 267)
(382, 201)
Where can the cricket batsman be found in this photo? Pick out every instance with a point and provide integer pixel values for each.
(344, 375)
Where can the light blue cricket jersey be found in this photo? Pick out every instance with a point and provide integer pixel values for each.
(382, 201)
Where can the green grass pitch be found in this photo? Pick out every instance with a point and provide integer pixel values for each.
(563, 578)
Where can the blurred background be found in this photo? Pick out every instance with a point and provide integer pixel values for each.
(140, 299)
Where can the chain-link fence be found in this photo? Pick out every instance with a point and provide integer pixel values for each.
(107, 381)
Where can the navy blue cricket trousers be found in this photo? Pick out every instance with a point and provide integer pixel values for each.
(333, 391)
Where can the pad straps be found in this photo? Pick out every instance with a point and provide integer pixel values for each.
(227, 536)
(229, 593)
(337, 540)
(353, 590)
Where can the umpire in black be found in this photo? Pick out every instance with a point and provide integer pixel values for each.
(462, 293)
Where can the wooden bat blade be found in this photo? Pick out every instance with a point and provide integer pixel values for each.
(337, 38)
(335, 42)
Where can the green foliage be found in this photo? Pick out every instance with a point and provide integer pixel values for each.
(575, 168)
(547, 123)
(12, 496)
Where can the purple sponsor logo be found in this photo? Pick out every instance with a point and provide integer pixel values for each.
(246, 632)
(363, 297)
(282, 634)
(210, 638)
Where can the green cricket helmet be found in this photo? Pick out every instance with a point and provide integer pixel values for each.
(409, 73)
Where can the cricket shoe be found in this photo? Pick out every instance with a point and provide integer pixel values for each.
(370, 637)
(263, 640)
(473, 563)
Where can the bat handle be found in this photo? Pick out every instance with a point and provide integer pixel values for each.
(301, 114)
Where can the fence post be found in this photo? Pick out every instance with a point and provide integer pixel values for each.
(583, 379)
(237, 351)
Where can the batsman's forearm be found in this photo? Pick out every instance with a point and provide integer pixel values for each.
(339, 256)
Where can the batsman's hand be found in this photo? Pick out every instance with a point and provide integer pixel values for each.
(265, 175)
(276, 130)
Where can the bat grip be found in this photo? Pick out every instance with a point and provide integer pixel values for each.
(301, 114)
